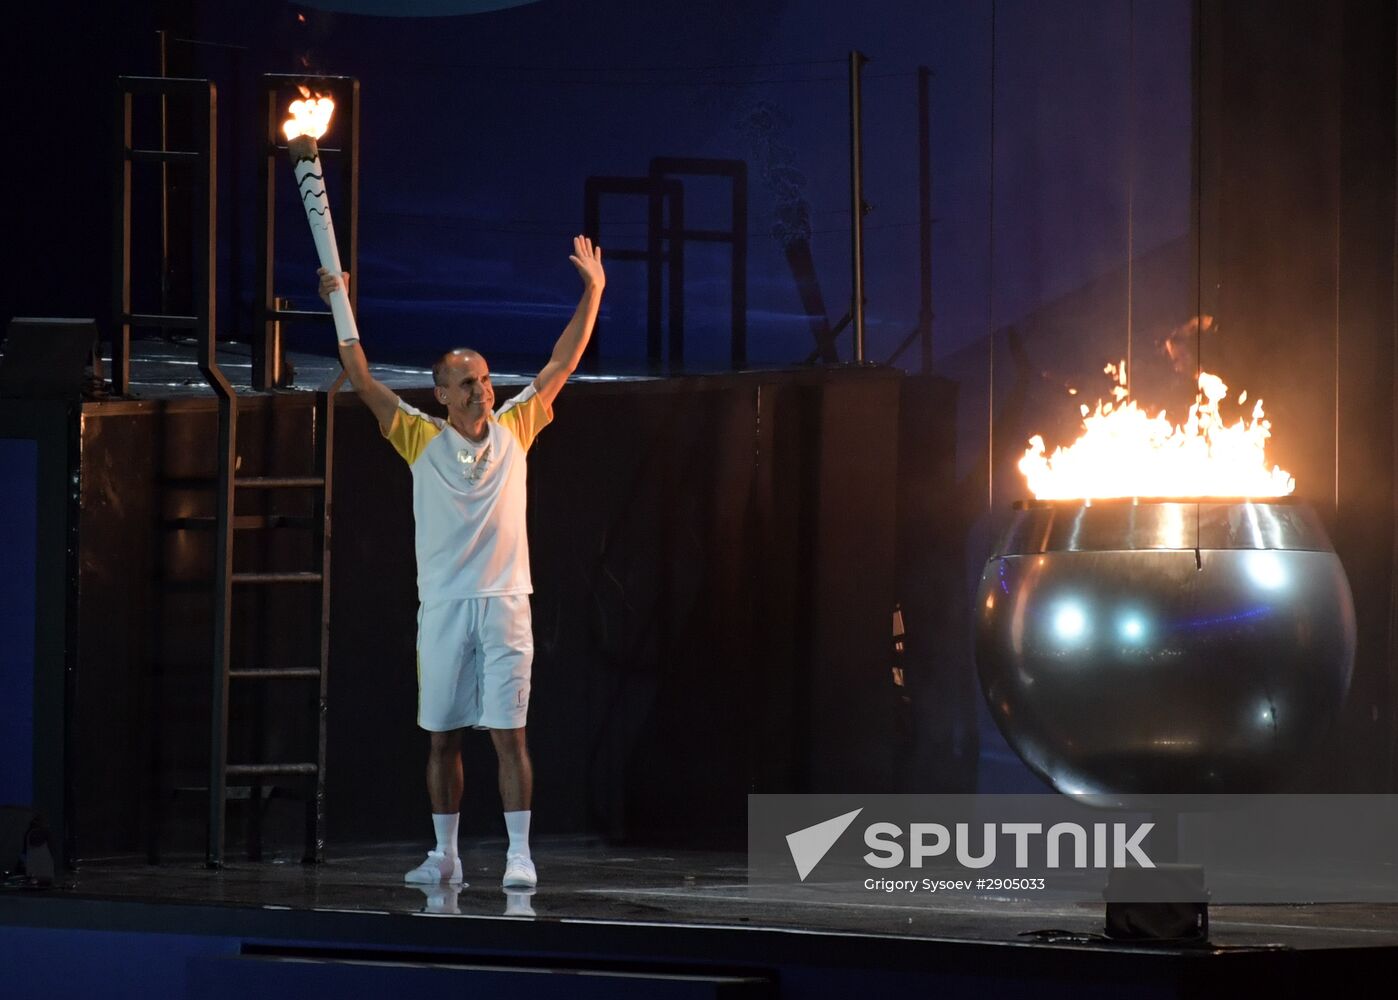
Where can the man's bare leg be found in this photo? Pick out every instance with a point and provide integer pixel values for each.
(444, 785)
(516, 795)
(444, 781)
(516, 770)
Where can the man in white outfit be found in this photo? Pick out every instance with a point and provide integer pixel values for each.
(475, 644)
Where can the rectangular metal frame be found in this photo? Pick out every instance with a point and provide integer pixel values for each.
(205, 197)
(665, 247)
(660, 194)
(268, 313)
(668, 167)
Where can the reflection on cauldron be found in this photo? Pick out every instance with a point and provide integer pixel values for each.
(1164, 646)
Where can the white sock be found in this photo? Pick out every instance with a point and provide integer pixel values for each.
(446, 825)
(517, 825)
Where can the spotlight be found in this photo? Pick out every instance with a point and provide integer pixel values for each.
(1069, 622)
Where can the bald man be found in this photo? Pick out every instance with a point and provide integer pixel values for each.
(475, 643)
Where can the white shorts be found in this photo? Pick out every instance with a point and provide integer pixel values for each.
(473, 663)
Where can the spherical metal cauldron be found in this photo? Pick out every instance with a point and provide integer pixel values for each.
(1164, 646)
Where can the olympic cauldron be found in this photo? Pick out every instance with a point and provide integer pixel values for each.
(1170, 646)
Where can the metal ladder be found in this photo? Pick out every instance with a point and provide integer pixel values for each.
(227, 578)
(222, 774)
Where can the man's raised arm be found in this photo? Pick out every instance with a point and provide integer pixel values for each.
(569, 349)
(380, 399)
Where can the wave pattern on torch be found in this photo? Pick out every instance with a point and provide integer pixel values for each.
(309, 120)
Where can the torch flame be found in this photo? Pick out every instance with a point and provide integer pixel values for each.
(309, 116)
(1125, 452)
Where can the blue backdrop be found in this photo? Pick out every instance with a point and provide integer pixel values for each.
(18, 528)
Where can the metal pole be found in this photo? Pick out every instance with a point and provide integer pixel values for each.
(205, 286)
(857, 60)
(655, 224)
(351, 147)
(738, 351)
(676, 276)
(323, 414)
(924, 190)
(266, 323)
(121, 273)
(163, 38)
(990, 287)
(273, 362)
(1130, 191)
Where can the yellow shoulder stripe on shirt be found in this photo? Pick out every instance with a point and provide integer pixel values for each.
(410, 433)
(525, 417)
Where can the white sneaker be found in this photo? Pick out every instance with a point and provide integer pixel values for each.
(437, 868)
(519, 873)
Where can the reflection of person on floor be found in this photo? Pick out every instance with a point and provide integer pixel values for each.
(441, 898)
(518, 903)
(475, 643)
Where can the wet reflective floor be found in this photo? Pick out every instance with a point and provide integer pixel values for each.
(587, 881)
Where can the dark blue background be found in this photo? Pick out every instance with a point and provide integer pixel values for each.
(18, 528)
(1061, 142)
(479, 131)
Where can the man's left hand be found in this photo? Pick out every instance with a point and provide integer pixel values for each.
(588, 260)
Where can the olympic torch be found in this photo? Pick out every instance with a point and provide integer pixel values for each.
(309, 119)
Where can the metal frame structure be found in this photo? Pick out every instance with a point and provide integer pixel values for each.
(922, 332)
(267, 370)
(225, 522)
(659, 195)
(858, 207)
(665, 247)
(205, 196)
(926, 316)
(267, 373)
(202, 322)
(736, 171)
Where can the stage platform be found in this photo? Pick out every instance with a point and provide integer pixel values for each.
(630, 922)
(694, 538)
(168, 369)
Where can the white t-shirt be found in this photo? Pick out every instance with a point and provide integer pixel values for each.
(469, 499)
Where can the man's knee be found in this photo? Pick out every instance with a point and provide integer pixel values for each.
(510, 743)
(446, 744)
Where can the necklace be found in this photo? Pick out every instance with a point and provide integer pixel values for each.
(473, 463)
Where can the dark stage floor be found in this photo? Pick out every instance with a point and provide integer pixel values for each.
(599, 906)
(584, 881)
(624, 923)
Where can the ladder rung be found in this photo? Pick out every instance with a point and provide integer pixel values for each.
(300, 314)
(235, 792)
(275, 673)
(282, 147)
(698, 235)
(267, 770)
(163, 155)
(162, 320)
(278, 482)
(297, 577)
(248, 522)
